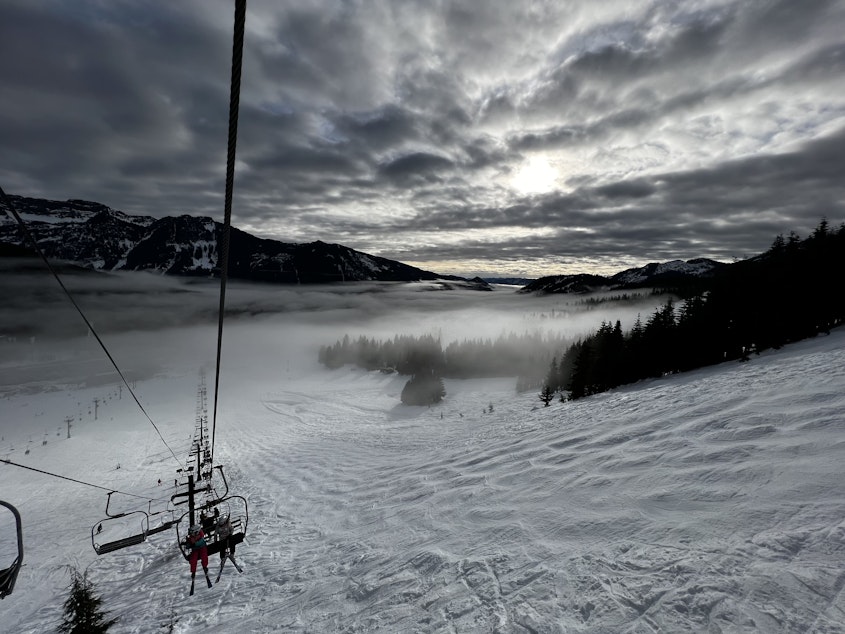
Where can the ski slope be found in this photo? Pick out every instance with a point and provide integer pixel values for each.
(704, 502)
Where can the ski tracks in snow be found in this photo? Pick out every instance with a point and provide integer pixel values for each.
(611, 516)
(704, 502)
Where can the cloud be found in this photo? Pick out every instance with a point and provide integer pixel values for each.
(674, 130)
(418, 166)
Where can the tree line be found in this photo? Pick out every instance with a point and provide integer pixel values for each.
(508, 355)
(793, 291)
(427, 361)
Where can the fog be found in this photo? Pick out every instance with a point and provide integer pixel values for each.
(149, 321)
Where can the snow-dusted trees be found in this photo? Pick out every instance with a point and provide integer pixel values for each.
(508, 355)
(424, 388)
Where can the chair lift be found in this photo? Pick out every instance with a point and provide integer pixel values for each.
(124, 542)
(9, 575)
(165, 525)
(238, 517)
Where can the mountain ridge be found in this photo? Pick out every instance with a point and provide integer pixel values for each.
(99, 237)
(674, 273)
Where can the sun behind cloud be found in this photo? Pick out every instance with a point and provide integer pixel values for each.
(536, 175)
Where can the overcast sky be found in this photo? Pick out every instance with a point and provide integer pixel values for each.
(486, 137)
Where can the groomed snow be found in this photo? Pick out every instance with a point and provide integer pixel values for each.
(705, 502)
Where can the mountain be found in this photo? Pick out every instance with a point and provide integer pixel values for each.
(99, 237)
(666, 273)
(509, 281)
(672, 274)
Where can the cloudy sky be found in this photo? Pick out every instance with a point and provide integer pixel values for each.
(513, 137)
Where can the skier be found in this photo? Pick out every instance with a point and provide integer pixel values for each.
(207, 523)
(224, 534)
(199, 550)
(227, 546)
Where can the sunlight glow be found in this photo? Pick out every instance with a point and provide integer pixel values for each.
(536, 175)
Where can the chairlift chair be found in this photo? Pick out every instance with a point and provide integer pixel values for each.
(9, 575)
(233, 506)
(124, 542)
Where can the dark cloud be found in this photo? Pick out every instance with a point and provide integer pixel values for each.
(518, 134)
(630, 189)
(379, 130)
(418, 166)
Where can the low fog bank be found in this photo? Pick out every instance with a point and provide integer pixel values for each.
(149, 321)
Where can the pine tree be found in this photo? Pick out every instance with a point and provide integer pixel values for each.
(547, 394)
(424, 388)
(578, 385)
(83, 613)
(822, 230)
(552, 377)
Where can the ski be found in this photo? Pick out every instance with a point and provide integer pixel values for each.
(191, 593)
(223, 563)
(235, 563)
(207, 578)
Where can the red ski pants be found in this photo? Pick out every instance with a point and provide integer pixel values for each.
(196, 554)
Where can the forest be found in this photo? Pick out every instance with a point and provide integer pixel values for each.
(793, 291)
(524, 355)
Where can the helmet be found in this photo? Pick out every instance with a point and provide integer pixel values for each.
(194, 530)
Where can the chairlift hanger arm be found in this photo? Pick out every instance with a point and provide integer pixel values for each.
(108, 501)
(225, 483)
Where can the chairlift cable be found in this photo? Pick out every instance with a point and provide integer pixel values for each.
(96, 486)
(234, 104)
(29, 237)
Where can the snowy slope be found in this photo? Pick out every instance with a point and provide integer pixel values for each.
(707, 502)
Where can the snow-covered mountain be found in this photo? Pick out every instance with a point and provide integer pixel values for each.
(665, 272)
(96, 236)
(670, 273)
(709, 501)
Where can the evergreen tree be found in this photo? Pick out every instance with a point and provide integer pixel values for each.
(553, 377)
(547, 394)
(821, 231)
(634, 351)
(660, 344)
(83, 613)
(424, 388)
(578, 384)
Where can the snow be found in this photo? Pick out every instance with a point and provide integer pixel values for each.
(70, 215)
(31, 218)
(703, 502)
(692, 267)
(206, 262)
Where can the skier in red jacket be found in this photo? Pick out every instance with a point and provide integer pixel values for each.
(199, 550)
